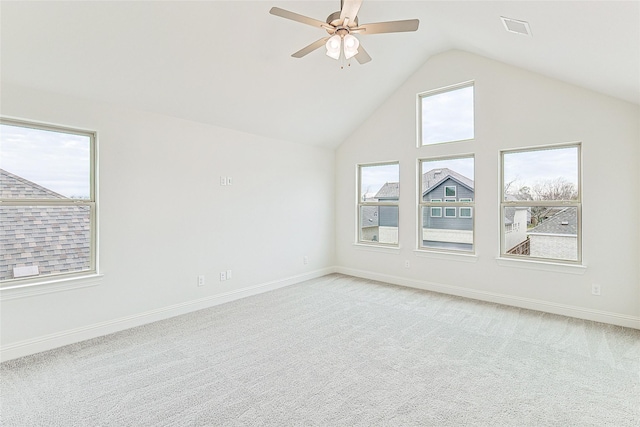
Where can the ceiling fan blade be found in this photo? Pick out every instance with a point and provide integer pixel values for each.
(313, 46)
(362, 56)
(349, 10)
(387, 27)
(299, 18)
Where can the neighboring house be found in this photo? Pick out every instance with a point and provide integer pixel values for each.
(53, 239)
(369, 223)
(380, 223)
(556, 237)
(447, 226)
(516, 220)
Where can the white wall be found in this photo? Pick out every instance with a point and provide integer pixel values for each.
(164, 220)
(514, 108)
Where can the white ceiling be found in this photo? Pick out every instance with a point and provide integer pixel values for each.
(228, 63)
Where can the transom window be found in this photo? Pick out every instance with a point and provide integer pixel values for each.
(446, 222)
(541, 203)
(378, 201)
(47, 201)
(446, 115)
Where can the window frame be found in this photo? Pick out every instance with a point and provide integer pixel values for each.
(452, 209)
(464, 216)
(455, 191)
(443, 204)
(360, 203)
(577, 204)
(91, 203)
(420, 96)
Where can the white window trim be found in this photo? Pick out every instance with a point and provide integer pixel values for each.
(426, 94)
(465, 207)
(455, 191)
(450, 208)
(435, 207)
(421, 204)
(549, 203)
(70, 280)
(361, 203)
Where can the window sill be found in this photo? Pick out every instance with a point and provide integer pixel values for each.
(542, 265)
(449, 256)
(52, 285)
(376, 248)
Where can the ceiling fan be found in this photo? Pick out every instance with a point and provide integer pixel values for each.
(341, 26)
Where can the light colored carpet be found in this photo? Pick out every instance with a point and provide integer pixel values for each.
(337, 351)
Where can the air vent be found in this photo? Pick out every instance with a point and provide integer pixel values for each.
(516, 26)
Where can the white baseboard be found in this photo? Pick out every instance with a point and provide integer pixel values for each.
(59, 339)
(528, 303)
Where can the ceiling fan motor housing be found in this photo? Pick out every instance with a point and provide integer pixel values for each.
(334, 21)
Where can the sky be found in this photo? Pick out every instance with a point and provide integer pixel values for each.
(448, 116)
(374, 177)
(464, 166)
(55, 160)
(527, 168)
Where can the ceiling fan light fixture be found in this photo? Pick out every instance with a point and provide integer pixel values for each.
(333, 46)
(351, 45)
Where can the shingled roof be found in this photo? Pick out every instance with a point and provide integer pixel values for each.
(390, 190)
(564, 222)
(434, 177)
(56, 239)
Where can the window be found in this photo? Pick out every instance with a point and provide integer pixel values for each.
(541, 203)
(446, 115)
(47, 201)
(378, 199)
(446, 223)
(465, 212)
(450, 191)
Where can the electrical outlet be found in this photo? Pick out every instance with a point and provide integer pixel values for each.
(223, 276)
(228, 274)
(200, 280)
(229, 180)
(407, 264)
(595, 289)
(305, 260)
(223, 180)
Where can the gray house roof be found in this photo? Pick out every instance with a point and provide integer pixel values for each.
(564, 222)
(15, 187)
(389, 191)
(56, 239)
(434, 177)
(430, 180)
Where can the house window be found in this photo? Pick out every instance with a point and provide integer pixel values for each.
(541, 203)
(47, 202)
(378, 200)
(446, 223)
(465, 212)
(446, 115)
(450, 191)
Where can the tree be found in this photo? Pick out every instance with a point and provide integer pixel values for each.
(555, 189)
(551, 189)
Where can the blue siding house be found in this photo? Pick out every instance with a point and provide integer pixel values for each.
(446, 185)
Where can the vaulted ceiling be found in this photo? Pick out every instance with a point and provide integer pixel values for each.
(228, 63)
